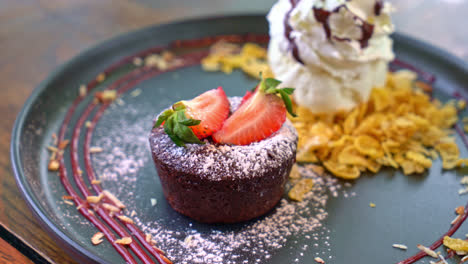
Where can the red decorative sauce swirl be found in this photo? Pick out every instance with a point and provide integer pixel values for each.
(105, 223)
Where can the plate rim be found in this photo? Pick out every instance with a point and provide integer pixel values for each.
(76, 249)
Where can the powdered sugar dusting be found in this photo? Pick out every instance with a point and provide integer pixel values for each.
(233, 161)
(293, 227)
(297, 223)
(123, 151)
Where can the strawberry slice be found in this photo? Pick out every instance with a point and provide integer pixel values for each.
(262, 114)
(190, 121)
(247, 95)
(211, 108)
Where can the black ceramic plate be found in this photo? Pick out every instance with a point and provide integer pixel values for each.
(409, 210)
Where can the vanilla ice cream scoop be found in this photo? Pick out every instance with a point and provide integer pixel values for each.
(332, 51)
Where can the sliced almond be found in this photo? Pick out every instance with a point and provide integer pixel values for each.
(94, 199)
(95, 149)
(101, 77)
(148, 238)
(114, 199)
(135, 92)
(82, 90)
(63, 144)
(125, 219)
(53, 156)
(165, 259)
(106, 96)
(428, 251)
(111, 208)
(88, 124)
(167, 55)
(124, 241)
(54, 138)
(319, 260)
(96, 182)
(137, 61)
(52, 149)
(464, 180)
(442, 259)
(460, 209)
(90, 212)
(454, 221)
(97, 238)
(400, 246)
(133, 213)
(68, 202)
(54, 165)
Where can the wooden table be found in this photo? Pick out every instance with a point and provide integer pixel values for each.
(38, 35)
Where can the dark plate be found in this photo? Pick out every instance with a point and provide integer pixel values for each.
(410, 210)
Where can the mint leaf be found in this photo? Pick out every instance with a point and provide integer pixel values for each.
(190, 122)
(186, 134)
(271, 83)
(177, 125)
(163, 117)
(287, 101)
(178, 106)
(288, 90)
(169, 129)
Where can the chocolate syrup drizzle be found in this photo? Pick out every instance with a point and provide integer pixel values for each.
(322, 16)
(378, 7)
(287, 33)
(106, 224)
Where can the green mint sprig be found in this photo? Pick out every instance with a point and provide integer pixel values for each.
(269, 85)
(177, 125)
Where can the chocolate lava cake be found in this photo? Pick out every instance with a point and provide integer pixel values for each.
(214, 183)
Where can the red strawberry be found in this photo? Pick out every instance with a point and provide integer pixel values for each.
(262, 114)
(247, 95)
(212, 108)
(190, 121)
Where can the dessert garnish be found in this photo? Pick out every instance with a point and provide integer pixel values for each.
(191, 121)
(261, 113)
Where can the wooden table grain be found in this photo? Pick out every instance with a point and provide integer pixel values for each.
(9, 254)
(38, 35)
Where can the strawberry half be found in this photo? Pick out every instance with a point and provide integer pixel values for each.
(211, 108)
(190, 121)
(262, 114)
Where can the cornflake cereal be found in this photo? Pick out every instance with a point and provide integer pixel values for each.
(225, 57)
(400, 126)
(456, 244)
(301, 188)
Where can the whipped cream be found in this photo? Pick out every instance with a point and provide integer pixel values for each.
(333, 52)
